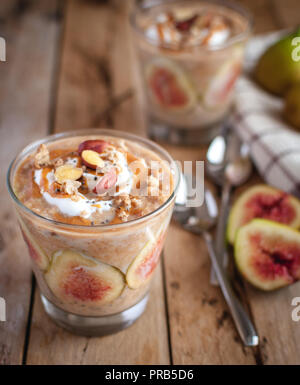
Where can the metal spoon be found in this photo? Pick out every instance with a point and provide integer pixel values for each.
(233, 169)
(199, 220)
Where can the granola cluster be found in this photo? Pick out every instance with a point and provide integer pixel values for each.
(185, 27)
(124, 203)
(71, 187)
(42, 157)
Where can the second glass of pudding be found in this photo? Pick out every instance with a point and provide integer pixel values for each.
(190, 54)
(93, 208)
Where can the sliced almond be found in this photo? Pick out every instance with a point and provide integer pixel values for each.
(67, 172)
(92, 159)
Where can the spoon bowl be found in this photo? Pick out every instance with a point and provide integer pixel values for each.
(195, 219)
(228, 158)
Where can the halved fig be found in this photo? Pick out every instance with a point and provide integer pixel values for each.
(106, 182)
(97, 145)
(92, 159)
(263, 201)
(169, 86)
(35, 251)
(67, 172)
(222, 84)
(267, 254)
(144, 264)
(77, 278)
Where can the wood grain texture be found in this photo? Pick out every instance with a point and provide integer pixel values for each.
(202, 331)
(97, 85)
(262, 11)
(279, 335)
(94, 36)
(25, 98)
(201, 328)
(126, 80)
(287, 13)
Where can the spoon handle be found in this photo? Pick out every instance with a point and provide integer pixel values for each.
(242, 321)
(221, 229)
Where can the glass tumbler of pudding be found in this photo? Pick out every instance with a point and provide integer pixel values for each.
(190, 54)
(93, 208)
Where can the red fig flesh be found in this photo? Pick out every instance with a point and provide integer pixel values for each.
(146, 268)
(35, 251)
(141, 269)
(268, 254)
(221, 86)
(85, 286)
(75, 277)
(169, 86)
(262, 201)
(164, 86)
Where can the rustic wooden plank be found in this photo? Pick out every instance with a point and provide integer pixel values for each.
(263, 15)
(280, 336)
(99, 31)
(287, 13)
(195, 308)
(85, 83)
(129, 115)
(202, 331)
(25, 100)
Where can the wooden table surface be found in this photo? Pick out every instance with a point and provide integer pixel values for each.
(70, 65)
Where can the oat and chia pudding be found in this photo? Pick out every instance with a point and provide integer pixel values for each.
(93, 211)
(190, 55)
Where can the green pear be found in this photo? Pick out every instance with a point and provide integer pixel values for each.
(278, 67)
(292, 106)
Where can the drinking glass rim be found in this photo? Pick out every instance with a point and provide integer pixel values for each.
(92, 132)
(227, 4)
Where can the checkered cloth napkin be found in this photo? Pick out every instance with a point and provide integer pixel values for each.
(257, 119)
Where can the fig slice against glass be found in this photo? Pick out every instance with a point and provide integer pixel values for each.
(145, 262)
(169, 86)
(76, 278)
(267, 254)
(222, 84)
(263, 201)
(35, 251)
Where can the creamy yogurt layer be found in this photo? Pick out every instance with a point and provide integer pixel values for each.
(86, 206)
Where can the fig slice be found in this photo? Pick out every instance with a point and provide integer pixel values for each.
(97, 145)
(221, 86)
(263, 201)
(76, 278)
(169, 86)
(36, 253)
(267, 254)
(144, 264)
(67, 172)
(106, 182)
